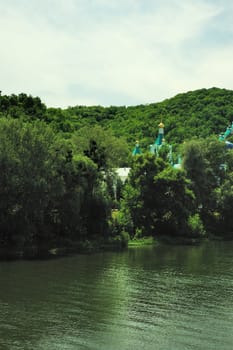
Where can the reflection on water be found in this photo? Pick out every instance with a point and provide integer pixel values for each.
(165, 298)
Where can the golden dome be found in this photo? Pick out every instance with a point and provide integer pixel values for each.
(161, 125)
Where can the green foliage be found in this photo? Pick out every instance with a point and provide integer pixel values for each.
(27, 179)
(199, 170)
(223, 219)
(209, 167)
(203, 162)
(195, 226)
(106, 150)
(49, 193)
(56, 180)
(16, 106)
(199, 113)
(157, 199)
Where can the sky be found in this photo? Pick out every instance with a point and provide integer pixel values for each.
(114, 52)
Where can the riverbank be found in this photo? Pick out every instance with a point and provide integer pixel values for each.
(79, 247)
(141, 242)
(64, 248)
(165, 239)
(95, 246)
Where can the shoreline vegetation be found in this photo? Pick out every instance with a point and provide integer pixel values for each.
(59, 188)
(94, 247)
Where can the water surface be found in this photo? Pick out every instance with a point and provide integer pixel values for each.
(160, 298)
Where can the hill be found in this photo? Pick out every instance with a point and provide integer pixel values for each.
(198, 113)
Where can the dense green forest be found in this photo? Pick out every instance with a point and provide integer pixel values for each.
(59, 189)
(198, 113)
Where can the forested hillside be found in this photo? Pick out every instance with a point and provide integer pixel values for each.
(199, 113)
(194, 114)
(58, 187)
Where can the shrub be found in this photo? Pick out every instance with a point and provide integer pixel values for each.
(195, 226)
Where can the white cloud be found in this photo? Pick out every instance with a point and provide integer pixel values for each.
(109, 52)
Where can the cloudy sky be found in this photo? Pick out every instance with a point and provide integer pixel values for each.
(114, 52)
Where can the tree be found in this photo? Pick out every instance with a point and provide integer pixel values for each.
(101, 146)
(79, 208)
(205, 163)
(222, 223)
(48, 193)
(22, 106)
(27, 180)
(157, 198)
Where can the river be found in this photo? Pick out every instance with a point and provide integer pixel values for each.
(160, 298)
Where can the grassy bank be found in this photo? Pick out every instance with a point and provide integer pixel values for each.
(141, 242)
